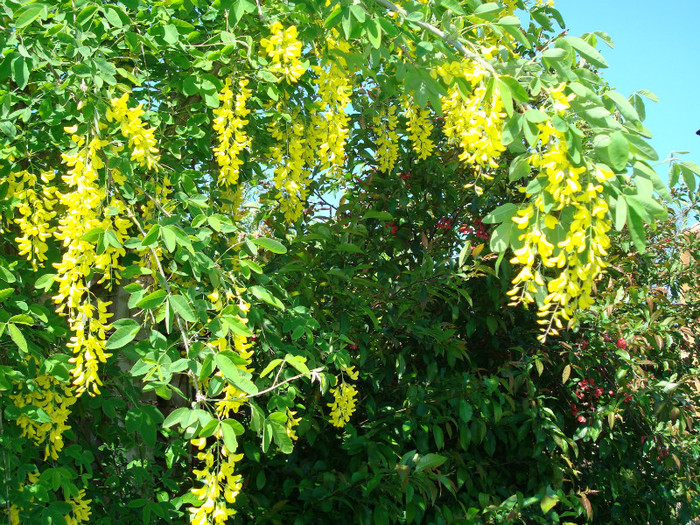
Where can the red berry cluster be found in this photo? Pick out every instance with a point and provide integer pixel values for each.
(405, 175)
(444, 224)
(478, 229)
(588, 395)
(393, 227)
(621, 343)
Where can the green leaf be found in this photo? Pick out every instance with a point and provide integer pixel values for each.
(618, 151)
(236, 326)
(500, 238)
(111, 239)
(20, 71)
(626, 109)
(555, 53)
(641, 169)
(621, 212)
(374, 33)
(503, 213)
(536, 116)
(264, 295)
(648, 94)
(123, 335)
(21, 319)
(5, 293)
(28, 14)
(45, 281)
(271, 366)
(176, 416)
(170, 34)
(277, 424)
(465, 411)
(519, 169)
(429, 461)
(152, 236)
(17, 337)
(379, 215)
(298, 362)
(636, 229)
(252, 265)
(169, 238)
(586, 50)
(182, 307)
(152, 300)
(269, 244)
(229, 434)
(237, 377)
(506, 96)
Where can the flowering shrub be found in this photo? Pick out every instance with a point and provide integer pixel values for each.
(245, 276)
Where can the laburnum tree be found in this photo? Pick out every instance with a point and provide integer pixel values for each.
(334, 261)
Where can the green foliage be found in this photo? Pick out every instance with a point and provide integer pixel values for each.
(245, 309)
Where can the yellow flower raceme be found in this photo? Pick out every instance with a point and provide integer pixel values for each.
(36, 211)
(80, 509)
(475, 124)
(85, 211)
(232, 139)
(387, 139)
(329, 121)
(284, 50)
(220, 485)
(142, 142)
(419, 129)
(54, 399)
(291, 174)
(575, 248)
(343, 405)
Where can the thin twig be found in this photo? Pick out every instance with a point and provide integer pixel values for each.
(273, 387)
(5, 471)
(440, 34)
(185, 339)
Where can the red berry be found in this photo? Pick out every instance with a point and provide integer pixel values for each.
(581, 419)
(621, 343)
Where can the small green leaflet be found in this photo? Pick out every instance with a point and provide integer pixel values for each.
(264, 295)
(270, 244)
(237, 377)
(125, 333)
(182, 307)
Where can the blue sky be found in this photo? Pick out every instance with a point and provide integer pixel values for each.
(657, 47)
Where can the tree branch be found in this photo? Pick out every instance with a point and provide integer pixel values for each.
(440, 34)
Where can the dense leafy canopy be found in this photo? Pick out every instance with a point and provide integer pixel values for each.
(329, 261)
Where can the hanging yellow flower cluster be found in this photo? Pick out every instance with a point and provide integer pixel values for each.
(142, 141)
(387, 138)
(292, 423)
(291, 175)
(473, 122)
(285, 51)
(419, 129)
(329, 122)
(80, 509)
(83, 205)
(578, 257)
(36, 210)
(218, 478)
(343, 405)
(54, 399)
(229, 122)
